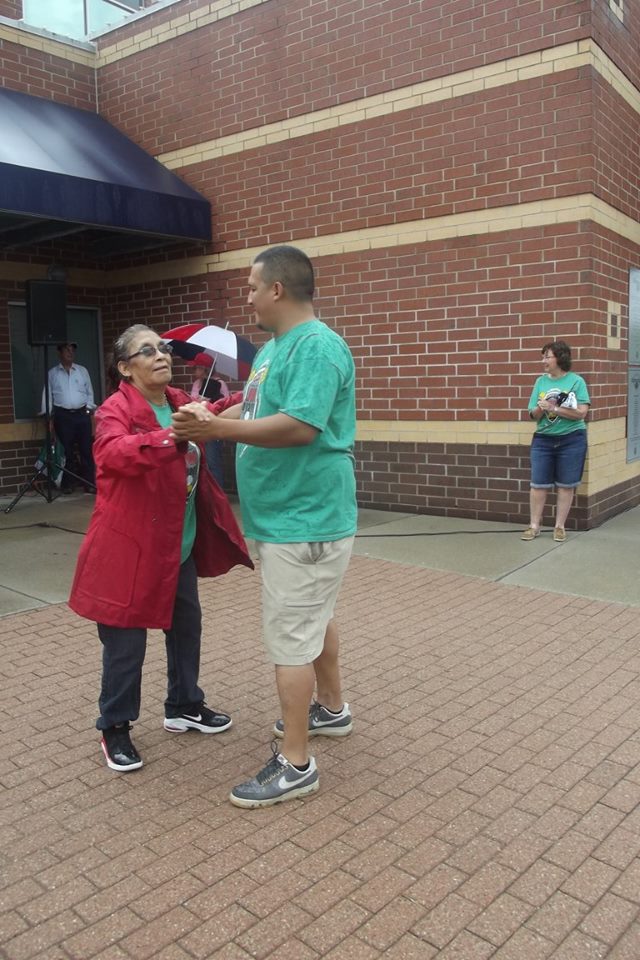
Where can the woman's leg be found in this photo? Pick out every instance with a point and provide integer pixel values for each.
(183, 646)
(541, 478)
(537, 500)
(564, 499)
(123, 651)
(570, 460)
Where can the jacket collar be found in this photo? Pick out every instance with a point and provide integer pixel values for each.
(139, 406)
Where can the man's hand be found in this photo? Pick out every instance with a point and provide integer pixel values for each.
(193, 422)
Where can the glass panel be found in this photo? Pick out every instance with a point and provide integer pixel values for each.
(67, 17)
(102, 14)
(59, 16)
(83, 328)
(27, 362)
(633, 395)
(634, 317)
(27, 366)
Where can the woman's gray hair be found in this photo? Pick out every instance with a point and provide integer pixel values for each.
(121, 350)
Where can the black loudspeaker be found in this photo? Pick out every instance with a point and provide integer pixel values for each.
(46, 312)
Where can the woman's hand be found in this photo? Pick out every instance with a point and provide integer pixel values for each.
(193, 421)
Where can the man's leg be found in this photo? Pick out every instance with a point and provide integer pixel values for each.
(295, 689)
(65, 431)
(84, 440)
(327, 671)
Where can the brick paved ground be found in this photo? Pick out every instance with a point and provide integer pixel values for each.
(486, 804)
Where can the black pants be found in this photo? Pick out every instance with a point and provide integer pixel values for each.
(74, 427)
(123, 651)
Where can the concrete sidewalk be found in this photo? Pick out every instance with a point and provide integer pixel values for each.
(486, 805)
(40, 543)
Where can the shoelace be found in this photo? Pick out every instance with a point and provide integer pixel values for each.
(314, 712)
(273, 768)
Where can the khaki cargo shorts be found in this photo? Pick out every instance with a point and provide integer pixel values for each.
(300, 586)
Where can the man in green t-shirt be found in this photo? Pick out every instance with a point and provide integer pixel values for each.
(295, 431)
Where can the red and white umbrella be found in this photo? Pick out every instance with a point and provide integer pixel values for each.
(231, 354)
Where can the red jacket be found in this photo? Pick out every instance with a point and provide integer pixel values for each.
(128, 565)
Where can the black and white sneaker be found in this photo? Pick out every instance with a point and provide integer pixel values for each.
(324, 723)
(118, 750)
(204, 719)
(278, 781)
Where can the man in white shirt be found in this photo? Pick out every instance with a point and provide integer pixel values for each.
(71, 404)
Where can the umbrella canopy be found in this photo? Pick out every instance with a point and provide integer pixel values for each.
(231, 354)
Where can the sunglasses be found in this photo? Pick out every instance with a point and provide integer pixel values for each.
(149, 350)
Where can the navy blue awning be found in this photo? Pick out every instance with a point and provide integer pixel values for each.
(69, 167)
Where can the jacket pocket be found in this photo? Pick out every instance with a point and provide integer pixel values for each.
(110, 567)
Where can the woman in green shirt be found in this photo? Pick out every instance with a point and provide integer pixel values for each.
(559, 404)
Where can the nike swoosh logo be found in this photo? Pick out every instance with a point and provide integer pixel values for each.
(283, 783)
(197, 719)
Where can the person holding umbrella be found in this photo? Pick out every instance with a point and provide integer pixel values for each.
(294, 431)
(159, 523)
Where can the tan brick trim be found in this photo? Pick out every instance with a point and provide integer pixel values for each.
(569, 56)
(21, 272)
(25, 430)
(175, 27)
(56, 48)
(606, 463)
(602, 433)
(541, 213)
(415, 232)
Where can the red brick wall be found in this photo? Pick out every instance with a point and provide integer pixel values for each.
(452, 330)
(521, 143)
(45, 75)
(288, 57)
(620, 41)
(11, 9)
(448, 330)
(616, 145)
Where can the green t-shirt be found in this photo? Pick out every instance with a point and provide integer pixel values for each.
(301, 494)
(192, 463)
(548, 387)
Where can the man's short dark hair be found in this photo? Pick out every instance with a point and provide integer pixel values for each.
(290, 267)
(561, 351)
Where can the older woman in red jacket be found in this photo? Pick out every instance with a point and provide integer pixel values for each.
(159, 522)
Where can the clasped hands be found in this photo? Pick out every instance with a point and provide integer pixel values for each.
(194, 422)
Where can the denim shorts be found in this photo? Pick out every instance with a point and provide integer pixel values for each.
(558, 461)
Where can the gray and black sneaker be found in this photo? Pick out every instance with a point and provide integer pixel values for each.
(204, 719)
(275, 783)
(324, 723)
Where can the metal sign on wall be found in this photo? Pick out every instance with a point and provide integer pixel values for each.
(633, 394)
